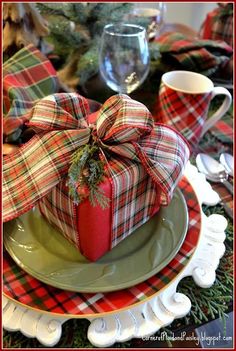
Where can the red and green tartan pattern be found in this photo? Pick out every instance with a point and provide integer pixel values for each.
(59, 209)
(40, 164)
(185, 112)
(23, 288)
(223, 134)
(138, 153)
(224, 194)
(27, 77)
(218, 24)
(204, 56)
(223, 131)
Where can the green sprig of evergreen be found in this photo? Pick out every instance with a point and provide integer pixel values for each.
(76, 28)
(88, 63)
(87, 169)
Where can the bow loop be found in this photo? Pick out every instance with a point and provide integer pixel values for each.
(164, 160)
(59, 112)
(122, 120)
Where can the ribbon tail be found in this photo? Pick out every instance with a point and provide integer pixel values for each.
(32, 171)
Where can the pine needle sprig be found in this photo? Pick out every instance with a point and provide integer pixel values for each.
(50, 9)
(97, 197)
(206, 303)
(77, 12)
(88, 64)
(58, 28)
(85, 174)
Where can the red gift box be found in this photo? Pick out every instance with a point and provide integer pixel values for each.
(143, 163)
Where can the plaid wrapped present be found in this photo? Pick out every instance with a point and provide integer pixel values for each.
(27, 76)
(143, 163)
(198, 55)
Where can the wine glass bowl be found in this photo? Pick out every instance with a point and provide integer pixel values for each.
(124, 57)
(155, 13)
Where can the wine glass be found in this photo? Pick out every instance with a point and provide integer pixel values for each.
(155, 12)
(124, 56)
(160, 18)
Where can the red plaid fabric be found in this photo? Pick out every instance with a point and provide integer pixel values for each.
(221, 140)
(136, 151)
(40, 164)
(198, 55)
(27, 77)
(187, 111)
(218, 24)
(223, 131)
(23, 288)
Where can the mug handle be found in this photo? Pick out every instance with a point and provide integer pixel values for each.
(221, 110)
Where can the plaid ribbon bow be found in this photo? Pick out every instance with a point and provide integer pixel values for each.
(127, 137)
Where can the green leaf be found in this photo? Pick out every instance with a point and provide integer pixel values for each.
(88, 64)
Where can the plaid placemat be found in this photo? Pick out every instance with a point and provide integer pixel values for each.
(29, 291)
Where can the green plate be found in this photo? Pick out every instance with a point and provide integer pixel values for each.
(45, 254)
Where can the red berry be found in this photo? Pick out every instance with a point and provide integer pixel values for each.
(83, 190)
(85, 172)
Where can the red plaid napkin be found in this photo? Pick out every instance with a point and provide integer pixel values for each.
(223, 131)
(27, 77)
(198, 55)
(218, 24)
(223, 136)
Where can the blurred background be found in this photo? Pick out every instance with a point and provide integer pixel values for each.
(191, 14)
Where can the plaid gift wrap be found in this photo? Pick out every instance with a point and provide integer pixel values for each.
(143, 163)
(198, 55)
(23, 288)
(27, 77)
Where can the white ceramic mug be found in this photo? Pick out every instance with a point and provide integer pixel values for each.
(184, 100)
